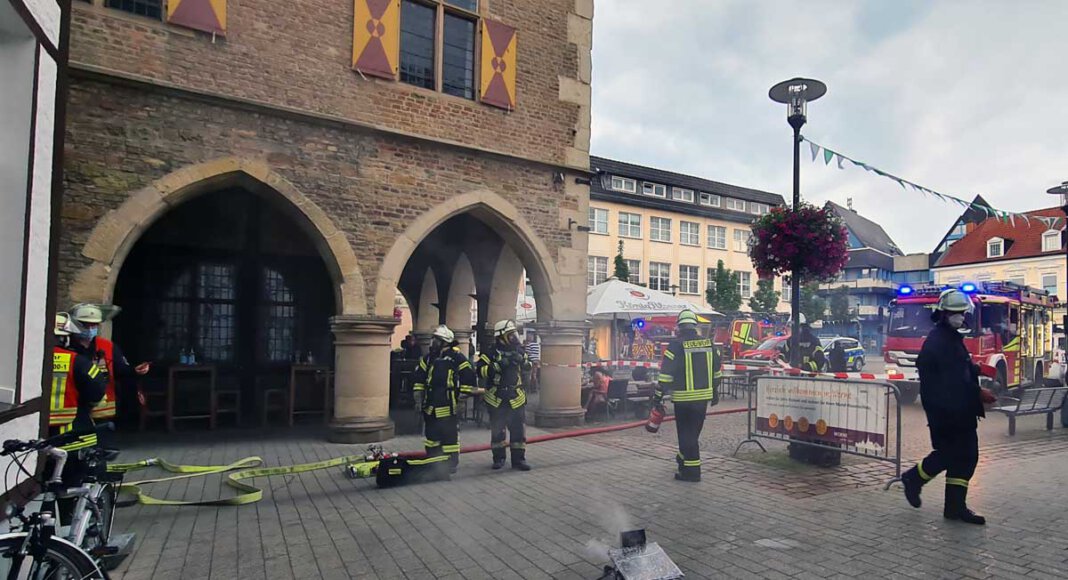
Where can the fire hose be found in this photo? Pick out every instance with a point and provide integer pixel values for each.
(251, 467)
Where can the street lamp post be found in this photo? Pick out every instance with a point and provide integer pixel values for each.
(1062, 190)
(795, 94)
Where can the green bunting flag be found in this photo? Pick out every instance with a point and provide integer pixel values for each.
(1005, 216)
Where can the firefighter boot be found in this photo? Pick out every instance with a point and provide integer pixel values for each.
(499, 454)
(519, 457)
(913, 484)
(957, 506)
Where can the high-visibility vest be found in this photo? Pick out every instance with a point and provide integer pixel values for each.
(63, 404)
(105, 409)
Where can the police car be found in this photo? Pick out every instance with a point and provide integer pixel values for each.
(854, 352)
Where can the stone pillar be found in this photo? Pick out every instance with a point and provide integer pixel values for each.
(463, 339)
(560, 403)
(424, 338)
(361, 378)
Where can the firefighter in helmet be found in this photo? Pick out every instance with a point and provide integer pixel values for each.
(105, 353)
(690, 373)
(78, 385)
(811, 357)
(502, 368)
(441, 377)
(952, 400)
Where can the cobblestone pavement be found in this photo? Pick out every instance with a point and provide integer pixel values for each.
(754, 516)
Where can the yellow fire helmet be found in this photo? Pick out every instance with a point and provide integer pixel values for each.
(686, 317)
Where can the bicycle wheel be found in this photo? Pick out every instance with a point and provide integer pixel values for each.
(62, 561)
(101, 521)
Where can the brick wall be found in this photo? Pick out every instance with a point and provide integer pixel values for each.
(121, 138)
(298, 54)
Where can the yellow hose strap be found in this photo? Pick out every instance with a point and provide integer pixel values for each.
(247, 468)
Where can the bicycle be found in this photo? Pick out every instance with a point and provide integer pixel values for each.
(52, 557)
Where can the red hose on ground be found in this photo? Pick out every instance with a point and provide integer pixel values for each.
(569, 434)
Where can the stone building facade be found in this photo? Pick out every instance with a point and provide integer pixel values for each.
(370, 183)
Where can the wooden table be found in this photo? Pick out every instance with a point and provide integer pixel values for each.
(173, 374)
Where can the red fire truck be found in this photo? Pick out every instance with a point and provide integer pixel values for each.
(1010, 330)
(742, 335)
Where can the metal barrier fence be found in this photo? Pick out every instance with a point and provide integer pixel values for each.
(846, 415)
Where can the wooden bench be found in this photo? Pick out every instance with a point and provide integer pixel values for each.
(1034, 402)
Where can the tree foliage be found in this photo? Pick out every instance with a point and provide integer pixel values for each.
(622, 271)
(724, 295)
(765, 299)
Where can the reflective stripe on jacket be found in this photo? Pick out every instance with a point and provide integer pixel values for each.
(690, 370)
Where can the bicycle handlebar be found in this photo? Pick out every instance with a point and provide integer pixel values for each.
(18, 445)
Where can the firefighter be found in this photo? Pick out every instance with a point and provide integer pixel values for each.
(78, 385)
(949, 389)
(105, 353)
(442, 375)
(811, 358)
(502, 368)
(690, 372)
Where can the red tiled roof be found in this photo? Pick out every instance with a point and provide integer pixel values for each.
(1026, 239)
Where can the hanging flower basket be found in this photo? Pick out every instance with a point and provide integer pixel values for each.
(808, 242)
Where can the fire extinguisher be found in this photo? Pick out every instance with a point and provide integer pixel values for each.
(656, 417)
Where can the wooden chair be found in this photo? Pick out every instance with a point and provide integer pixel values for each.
(173, 375)
(318, 379)
(273, 400)
(228, 402)
(152, 404)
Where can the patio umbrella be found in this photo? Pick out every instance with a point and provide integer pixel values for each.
(615, 299)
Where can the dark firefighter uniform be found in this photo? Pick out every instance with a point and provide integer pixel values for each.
(78, 386)
(811, 356)
(502, 368)
(949, 389)
(442, 379)
(690, 372)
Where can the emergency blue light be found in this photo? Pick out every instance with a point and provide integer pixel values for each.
(905, 290)
(639, 323)
(967, 288)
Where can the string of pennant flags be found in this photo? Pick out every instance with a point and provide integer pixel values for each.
(829, 155)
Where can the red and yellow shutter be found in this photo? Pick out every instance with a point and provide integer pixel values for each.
(205, 15)
(498, 65)
(376, 38)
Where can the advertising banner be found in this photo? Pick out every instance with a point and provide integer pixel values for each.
(849, 413)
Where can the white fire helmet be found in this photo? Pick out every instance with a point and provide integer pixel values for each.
(954, 300)
(444, 334)
(503, 327)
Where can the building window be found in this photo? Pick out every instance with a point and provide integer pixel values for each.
(599, 221)
(596, 270)
(679, 194)
(1049, 284)
(787, 290)
(758, 208)
(149, 8)
(624, 184)
(634, 267)
(741, 240)
(995, 248)
(660, 276)
(1051, 241)
(735, 204)
(688, 279)
(710, 199)
(630, 225)
(743, 284)
(421, 41)
(690, 233)
(717, 237)
(660, 229)
(1018, 280)
(654, 189)
(710, 279)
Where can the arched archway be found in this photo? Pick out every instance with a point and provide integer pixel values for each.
(119, 230)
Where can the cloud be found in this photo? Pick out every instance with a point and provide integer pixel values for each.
(965, 98)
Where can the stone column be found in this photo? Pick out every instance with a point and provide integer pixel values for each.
(424, 338)
(463, 339)
(560, 403)
(361, 379)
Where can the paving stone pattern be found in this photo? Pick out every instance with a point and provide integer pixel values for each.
(751, 517)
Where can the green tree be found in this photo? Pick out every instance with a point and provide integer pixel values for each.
(622, 271)
(812, 306)
(765, 299)
(839, 304)
(724, 295)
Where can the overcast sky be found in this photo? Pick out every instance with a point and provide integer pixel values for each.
(964, 97)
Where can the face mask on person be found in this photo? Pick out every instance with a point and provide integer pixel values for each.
(436, 345)
(956, 320)
(90, 333)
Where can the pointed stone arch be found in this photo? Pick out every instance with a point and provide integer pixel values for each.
(116, 233)
(496, 212)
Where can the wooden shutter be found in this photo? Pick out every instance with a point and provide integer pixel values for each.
(498, 65)
(376, 38)
(205, 15)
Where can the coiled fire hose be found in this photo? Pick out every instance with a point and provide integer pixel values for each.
(250, 468)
